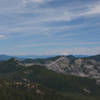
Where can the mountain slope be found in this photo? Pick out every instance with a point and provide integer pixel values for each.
(51, 79)
(96, 57)
(81, 67)
(26, 91)
(11, 65)
(67, 86)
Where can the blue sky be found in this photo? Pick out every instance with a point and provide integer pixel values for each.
(49, 27)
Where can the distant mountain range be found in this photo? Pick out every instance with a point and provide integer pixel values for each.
(5, 57)
(79, 66)
(22, 57)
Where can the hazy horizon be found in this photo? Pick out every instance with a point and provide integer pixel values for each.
(48, 55)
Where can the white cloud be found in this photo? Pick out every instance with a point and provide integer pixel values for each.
(2, 36)
(36, 1)
(51, 14)
(58, 14)
(94, 9)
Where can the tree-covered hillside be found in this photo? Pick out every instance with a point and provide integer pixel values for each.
(16, 81)
(26, 91)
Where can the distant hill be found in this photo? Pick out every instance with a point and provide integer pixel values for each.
(4, 57)
(41, 60)
(95, 57)
(22, 57)
(34, 56)
(7, 57)
(40, 57)
(11, 65)
(48, 59)
(81, 56)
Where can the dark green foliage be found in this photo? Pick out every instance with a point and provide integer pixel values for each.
(55, 86)
(26, 91)
(97, 57)
(10, 66)
(4, 57)
(57, 81)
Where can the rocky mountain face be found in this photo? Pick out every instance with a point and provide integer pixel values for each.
(83, 67)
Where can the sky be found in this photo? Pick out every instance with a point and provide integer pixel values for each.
(49, 27)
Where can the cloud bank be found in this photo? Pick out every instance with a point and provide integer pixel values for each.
(58, 23)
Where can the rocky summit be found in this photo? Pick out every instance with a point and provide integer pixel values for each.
(83, 67)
